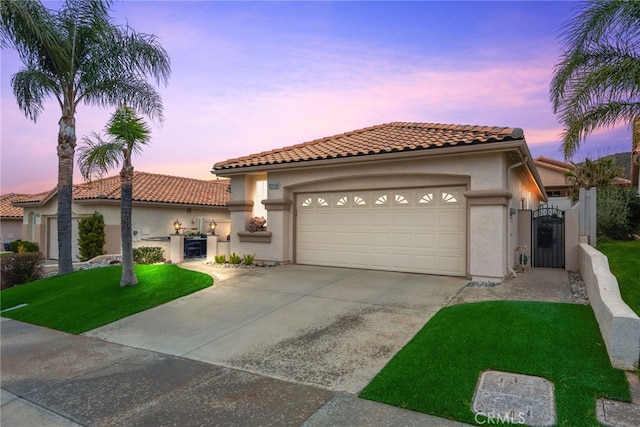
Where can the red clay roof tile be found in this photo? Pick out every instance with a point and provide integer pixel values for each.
(379, 139)
(7, 210)
(148, 187)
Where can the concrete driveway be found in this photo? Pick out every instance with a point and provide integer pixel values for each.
(330, 327)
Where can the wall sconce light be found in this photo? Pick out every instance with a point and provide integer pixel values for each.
(177, 226)
(212, 227)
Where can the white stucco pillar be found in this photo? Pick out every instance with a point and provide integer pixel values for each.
(279, 217)
(177, 248)
(488, 235)
(240, 212)
(212, 247)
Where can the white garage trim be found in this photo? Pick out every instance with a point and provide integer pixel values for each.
(421, 230)
(53, 239)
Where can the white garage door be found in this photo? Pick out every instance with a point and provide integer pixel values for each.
(414, 230)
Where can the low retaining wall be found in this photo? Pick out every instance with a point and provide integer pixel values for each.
(619, 325)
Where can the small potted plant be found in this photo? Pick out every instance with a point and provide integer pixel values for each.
(257, 223)
(256, 232)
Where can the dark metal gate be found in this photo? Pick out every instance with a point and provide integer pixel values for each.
(548, 237)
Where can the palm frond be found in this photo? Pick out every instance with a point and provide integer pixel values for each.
(31, 88)
(126, 134)
(596, 84)
(96, 155)
(127, 127)
(596, 117)
(135, 92)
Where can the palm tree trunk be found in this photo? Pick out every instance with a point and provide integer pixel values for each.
(126, 193)
(66, 150)
(635, 155)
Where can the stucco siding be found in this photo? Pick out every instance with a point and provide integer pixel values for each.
(152, 220)
(10, 230)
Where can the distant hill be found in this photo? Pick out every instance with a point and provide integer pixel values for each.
(623, 160)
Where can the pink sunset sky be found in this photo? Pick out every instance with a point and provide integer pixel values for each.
(253, 76)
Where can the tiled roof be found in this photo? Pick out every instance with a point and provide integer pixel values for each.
(553, 164)
(563, 167)
(7, 210)
(149, 187)
(385, 138)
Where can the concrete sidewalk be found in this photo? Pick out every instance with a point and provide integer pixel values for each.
(56, 379)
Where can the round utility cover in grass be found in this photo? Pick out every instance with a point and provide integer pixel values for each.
(514, 398)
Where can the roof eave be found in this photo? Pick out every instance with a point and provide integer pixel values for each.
(98, 201)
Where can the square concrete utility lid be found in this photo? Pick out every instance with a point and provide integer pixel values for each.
(514, 398)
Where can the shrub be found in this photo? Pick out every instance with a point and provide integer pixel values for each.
(248, 259)
(16, 269)
(234, 258)
(22, 246)
(147, 255)
(91, 237)
(257, 223)
(618, 212)
(220, 259)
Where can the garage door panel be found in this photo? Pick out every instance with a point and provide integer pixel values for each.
(450, 264)
(341, 238)
(450, 241)
(414, 230)
(323, 218)
(404, 218)
(381, 218)
(426, 241)
(380, 239)
(360, 239)
(450, 218)
(324, 239)
(343, 218)
(404, 263)
(428, 263)
(402, 241)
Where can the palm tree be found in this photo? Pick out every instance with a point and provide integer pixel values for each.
(592, 173)
(78, 55)
(127, 134)
(596, 83)
(635, 155)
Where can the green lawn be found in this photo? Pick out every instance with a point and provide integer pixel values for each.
(624, 262)
(437, 371)
(84, 300)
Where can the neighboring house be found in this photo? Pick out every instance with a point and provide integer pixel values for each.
(10, 218)
(158, 201)
(415, 197)
(554, 177)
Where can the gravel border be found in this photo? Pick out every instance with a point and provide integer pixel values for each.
(479, 284)
(578, 290)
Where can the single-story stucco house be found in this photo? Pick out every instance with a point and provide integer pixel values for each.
(413, 197)
(10, 218)
(158, 201)
(556, 183)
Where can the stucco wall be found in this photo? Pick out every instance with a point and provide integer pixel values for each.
(149, 220)
(10, 230)
(619, 325)
(551, 177)
(524, 200)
